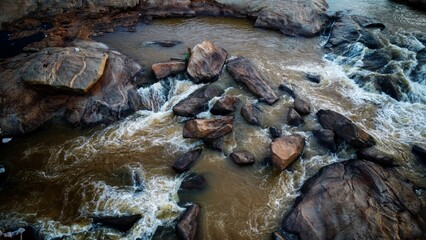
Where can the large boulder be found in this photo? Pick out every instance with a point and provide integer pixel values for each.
(225, 105)
(243, 72)
(197, 101)
(165, 69)
(287, 149)
(121, 223)
(355, 200)
(184, 163)
(208, 129)
(187, 224)
(206, 62)
(345, 129)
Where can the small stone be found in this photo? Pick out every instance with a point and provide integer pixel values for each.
(242, 158)
(208, 129)
(302, 106)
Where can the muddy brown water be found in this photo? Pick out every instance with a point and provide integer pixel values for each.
(58, 177)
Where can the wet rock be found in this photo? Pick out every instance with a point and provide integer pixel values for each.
(165, 69)
(395, 84)
(302, 106)
(251, 113)
(287, 89)
(275, 132)
(217, 144)
(225, 105)
(345, 129)
(184, 163)
(242, 158)
(355, 200)
(278, 236)
(243, 72)
(294, 118)
(344, 31)
(2, 176)
(206, 62)
(375, 155)
(187, 225)
(313, 77)
(193, 182)
(163, 43)
(420, 152)
(326, 138)
(377, 59)
(371, 40)
(285, 150)
(22, 233)
(208, 129)
(197, 101)
(121, 223)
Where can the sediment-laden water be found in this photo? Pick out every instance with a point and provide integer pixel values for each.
(59, 177)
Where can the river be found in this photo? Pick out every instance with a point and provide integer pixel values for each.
(59, 177)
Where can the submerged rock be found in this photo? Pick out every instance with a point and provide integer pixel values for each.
(208, 129)
(243, 72)
(184, 163)
(326, 138)
(197, 101)
(313, 77)
(163, 43)
(375, 155)
(302, 106)
(275, 132)
(345, 129)
(187, 225)
(165, 69)
(193, 182)
(121, 223)
(355, 200)
(287, 90)
(251, 113)
(206, 62)
(285, 150)
(294, 118)
(225, 105)
(242, 158)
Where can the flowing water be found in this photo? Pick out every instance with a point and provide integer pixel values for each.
(59, 177)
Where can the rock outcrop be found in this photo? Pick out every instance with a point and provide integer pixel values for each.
(345, 129)
(165, 69)
(187, 225)
(197, 101)
(243, 72)
(24, 108)
(208, 129)
(184, 163)
(355, 200)
(206, 62)
(225, 105)
(287, 149)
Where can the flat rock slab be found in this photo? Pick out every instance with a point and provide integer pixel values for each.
(70, 69)
(355, 200)
(197, 101)
(208, 129)
(165, 69)
(243, 72)
(287, 149)
(345, 129)
(206, 62)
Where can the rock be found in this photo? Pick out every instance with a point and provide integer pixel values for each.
(165, 69)
(2, 176)
(69, 69)
(344, 31)
(326, 138)
(394, 84)
(164, 43)
(208, 129)
(288, 90)
(345, 129)
(184, 163)
(113, 97)
(187, 224)
(278, 236)
(285, 150)
(251, 113)
(121, 223)
(371, 40)
(302, 106)
(355, 200)
(193, 182)
(294, 118)
(375, 155)
(275, 132)
(217, 144)
(206, 62)
(22, 233)
(242, 158)
(376, 59)
(243, 72)
(225, 105)
(420, 152)
(313, 77)
(197, 101)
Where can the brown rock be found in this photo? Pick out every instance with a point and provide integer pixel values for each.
(326, 138)
(302, 106)
(345, 129)
(355, 200)
(243, 72)
(225, 105)
(197, 101)
(184, 163)
(251, 113)
(242, 158)
(294, 118)
(208, 129)
(193, 181)
(285, 150)
(375, 155)
(187, 225)
(206, 62)
(165, 69)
